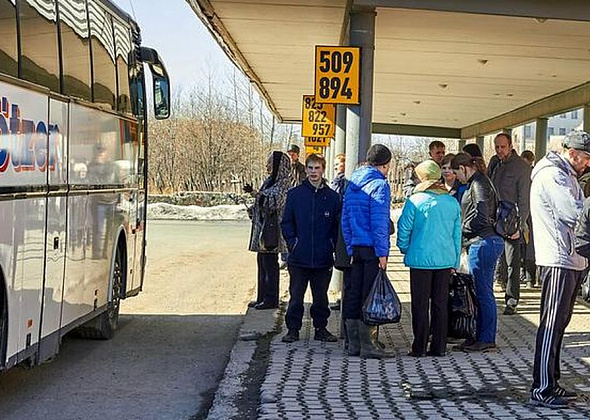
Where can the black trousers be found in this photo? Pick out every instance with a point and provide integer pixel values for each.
(508, 269)
(268, 278)
(319, 280)
(430, 287)
(365, 266)
(558, 296)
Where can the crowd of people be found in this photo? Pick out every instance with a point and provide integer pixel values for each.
(450, 220)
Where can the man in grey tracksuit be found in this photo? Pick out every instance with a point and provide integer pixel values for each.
(512, 178)
(556, 204)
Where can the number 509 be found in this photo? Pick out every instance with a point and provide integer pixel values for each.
(335, 61)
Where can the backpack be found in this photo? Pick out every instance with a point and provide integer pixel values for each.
(507, 219)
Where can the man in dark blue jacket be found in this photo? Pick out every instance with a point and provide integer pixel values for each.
(310, 228)
(365, 226)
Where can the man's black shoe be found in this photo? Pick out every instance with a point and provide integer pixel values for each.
(558, 391)
(322, 334)
(291, 336)
(253, 304)
(335, 306)
(550, 402)
(264, 305)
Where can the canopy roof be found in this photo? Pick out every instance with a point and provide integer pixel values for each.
(470, 67)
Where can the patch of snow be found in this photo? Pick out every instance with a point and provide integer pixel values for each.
(163, 211)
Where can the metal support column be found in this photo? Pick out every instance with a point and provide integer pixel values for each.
(540, 138)
(359, 117)
(480, 141)
(587, 118)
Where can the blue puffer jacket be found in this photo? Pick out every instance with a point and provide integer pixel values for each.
(310, 225)
(365, 216)
(429, 231)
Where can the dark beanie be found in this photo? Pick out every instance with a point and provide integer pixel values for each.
(378, 154)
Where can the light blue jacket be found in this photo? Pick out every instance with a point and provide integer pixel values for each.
(429, 231)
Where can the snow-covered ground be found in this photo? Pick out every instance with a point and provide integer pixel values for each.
(163, 211)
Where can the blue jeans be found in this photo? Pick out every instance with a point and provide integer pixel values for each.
(483, 256)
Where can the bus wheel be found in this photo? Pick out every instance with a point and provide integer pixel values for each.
(103, 326)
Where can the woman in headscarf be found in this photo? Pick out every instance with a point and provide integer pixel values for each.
(265, 237)
(429, 236)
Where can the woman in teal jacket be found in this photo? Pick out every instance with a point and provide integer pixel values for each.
(429, 236)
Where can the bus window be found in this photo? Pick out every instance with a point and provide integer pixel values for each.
(38, 37)
(123, 49)
(75, 48)
(8, 50)
(103, 55)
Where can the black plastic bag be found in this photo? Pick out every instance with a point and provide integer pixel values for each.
(382, 305)
(462, 306)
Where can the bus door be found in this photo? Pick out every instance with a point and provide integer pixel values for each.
(55, 241)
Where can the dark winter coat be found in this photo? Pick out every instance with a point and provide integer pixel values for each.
(512, 179)
(310, 225)
(478, 209)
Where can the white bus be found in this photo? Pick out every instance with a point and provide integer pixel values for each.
(72, 170)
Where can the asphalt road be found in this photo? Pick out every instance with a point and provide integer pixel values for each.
(173, 342)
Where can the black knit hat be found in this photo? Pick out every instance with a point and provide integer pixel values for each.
(378, 155)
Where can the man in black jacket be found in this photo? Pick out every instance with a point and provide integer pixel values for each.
(310, 228)
(512, 179)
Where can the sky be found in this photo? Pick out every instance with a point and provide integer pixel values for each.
(173, 29)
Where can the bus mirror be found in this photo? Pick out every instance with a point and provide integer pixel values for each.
(161, 82)
(161, 97)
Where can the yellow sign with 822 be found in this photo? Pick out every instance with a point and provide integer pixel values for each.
(317, 120)
(337, 73)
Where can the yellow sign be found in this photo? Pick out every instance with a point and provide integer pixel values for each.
(317, 120)
(317, 141)
(310, 150)
(337, 74)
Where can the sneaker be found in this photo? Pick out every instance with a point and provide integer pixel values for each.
(559, 391)
(480, 346)
(322, 334)
(551, 402)
(291, 336)
(510, 310)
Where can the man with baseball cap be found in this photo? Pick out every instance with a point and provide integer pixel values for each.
(556, 204)
(365, 227)
(297, 168)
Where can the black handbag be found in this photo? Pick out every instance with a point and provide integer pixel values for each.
(382, 305)
(270, 232)
(462, 306)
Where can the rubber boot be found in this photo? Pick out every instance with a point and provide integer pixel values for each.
(352, 332)
(369, 348)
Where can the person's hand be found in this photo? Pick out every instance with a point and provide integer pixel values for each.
(515, 236)
(247, 188)
(383, 263)
(453, 271)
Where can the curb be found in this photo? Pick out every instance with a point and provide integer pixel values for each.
(257, 329)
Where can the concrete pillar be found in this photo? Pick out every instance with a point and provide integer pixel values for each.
(328, 156)
(587, 118)
(541, 138)
(480, 141)
(359, 117)
(462, 143)
(340, 138)
(522, 140)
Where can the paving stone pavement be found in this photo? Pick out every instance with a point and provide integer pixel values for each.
(313, 380)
